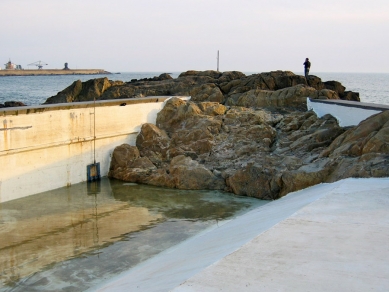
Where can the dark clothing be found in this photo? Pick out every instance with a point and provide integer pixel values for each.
(307, 66)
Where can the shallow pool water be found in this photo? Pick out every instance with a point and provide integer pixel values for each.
(74, 238)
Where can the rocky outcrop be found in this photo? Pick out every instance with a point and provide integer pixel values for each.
(12, 104)
(250, 135)
(226, 88)
(294, 96)
(341, 91)
(264, 152)
(83, 91)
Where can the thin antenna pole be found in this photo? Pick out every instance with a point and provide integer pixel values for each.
(94, 130)
(217, 60)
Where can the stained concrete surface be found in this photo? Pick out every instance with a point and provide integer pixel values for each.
(330, 237)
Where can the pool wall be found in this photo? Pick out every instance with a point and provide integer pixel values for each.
(49, 146)
(348, 113)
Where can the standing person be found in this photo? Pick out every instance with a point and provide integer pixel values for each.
(307, 66)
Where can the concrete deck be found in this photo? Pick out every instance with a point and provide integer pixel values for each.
(330, 237)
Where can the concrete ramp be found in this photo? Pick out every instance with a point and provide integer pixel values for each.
(330, 237)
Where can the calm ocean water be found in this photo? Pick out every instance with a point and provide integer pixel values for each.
(34, 90)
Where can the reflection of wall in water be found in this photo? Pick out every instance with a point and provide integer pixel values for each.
(33, 236)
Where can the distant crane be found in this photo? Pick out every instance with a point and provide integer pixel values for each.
(39, 64)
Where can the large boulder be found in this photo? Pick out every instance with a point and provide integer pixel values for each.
(153, 143)
(294, 97)
(12, 104)
(370, 136)
(206, 92)
(67, 95)
(188, 174)
(83, 91)
(178, 114)
(254, 181)
(362, 151)
(341, 91)
(124, 154)
(127, 165)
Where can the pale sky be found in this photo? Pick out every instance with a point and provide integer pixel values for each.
(181, 35)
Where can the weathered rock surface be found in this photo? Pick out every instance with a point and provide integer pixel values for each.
(83, 91)
(264, 152)
(250, 135)
(12, 104)
(226, 88)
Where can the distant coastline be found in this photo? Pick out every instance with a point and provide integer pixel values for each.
(46, 72)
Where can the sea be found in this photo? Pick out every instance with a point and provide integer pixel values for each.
(34, 90)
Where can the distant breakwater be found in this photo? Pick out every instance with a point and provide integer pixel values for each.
(44, 72)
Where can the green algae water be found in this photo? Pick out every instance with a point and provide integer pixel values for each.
(74, 238)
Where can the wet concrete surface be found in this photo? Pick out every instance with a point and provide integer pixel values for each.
(71, 239)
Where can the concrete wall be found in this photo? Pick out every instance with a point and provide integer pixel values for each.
(48, 147)
(348, 113)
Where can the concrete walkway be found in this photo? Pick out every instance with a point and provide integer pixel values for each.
(330, 237)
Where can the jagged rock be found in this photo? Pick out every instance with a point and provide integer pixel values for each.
(350, 95)
(315, 82)
(214, 86)
(123, 155)
(335, 86)
(153, 143)
(66, 95)
(12, 104)
(256, 137)
(83, 91)
(340, 90)
(212, 108)
(295, 96)
(190, 175)
(179, 114)
(254, 181)
(303, 177)
(127, 165)
(229, 76)
(362, 151)
(262, 152)
(370, 136)
(164, 76)
(206, 92)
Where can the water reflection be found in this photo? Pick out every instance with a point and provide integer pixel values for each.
(73, 238)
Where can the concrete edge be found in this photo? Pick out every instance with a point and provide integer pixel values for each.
(349, 103)
(22, 110)
(356, 268)
(174, 266)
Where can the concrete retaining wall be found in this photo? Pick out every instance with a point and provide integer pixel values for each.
(348, 113)
(47, 147)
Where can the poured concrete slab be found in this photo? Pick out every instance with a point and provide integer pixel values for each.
(330, 237)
